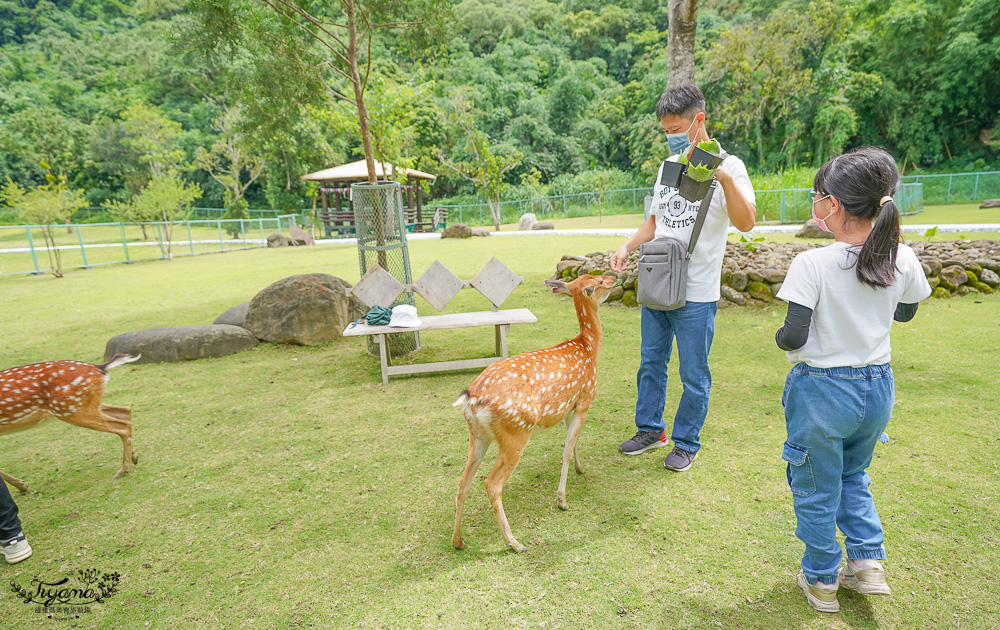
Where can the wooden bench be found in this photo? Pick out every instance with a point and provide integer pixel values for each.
(340, 221)
(432, 222)
(438, 286)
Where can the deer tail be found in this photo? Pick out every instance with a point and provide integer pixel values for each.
(474, 409)
(118, 359)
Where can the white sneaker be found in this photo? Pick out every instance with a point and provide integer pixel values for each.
(16, 549)
(869, 578)
(822, 597)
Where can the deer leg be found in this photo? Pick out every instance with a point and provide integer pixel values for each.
(123, 414)
(14, 481)
(91, 415)
(477, 449)
(511, 448)
(574, 422)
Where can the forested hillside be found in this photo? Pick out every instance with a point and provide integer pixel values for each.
(111, 93)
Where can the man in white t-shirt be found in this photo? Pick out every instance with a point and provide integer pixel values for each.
(682, 116)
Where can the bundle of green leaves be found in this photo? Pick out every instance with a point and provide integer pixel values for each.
(700, 173)
(712, 146)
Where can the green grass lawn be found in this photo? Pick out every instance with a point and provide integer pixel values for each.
(285, 487)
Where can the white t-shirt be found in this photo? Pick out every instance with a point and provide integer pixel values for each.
(675, 217)
(851, 321)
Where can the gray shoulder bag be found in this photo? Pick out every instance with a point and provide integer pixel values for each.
(663, 266)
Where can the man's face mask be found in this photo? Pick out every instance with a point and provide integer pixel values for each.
(680, 141)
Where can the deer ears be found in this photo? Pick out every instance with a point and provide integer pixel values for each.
(558, 286)
(588, 291)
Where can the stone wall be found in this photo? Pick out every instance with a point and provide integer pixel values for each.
(753, 276)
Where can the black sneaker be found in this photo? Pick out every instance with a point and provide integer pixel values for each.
(679, 460)
(642, 441)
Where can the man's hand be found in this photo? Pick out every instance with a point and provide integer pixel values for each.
(723, 177)
(619, 259)
(742, 214)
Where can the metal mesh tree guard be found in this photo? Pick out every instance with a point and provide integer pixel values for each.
(381, 233)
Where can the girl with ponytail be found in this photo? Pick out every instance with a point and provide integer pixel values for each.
(842, 300)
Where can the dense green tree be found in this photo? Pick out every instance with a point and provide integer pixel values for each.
(571, 86)
(44, 206)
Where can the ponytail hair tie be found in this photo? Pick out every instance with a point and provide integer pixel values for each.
(884, 200)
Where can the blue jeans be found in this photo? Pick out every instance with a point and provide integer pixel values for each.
(694, 327)
(10, 526)
(834, 417)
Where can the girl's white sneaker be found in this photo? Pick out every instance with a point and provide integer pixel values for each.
(822, 597)
(868, 578)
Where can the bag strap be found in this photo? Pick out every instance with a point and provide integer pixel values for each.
(700, 221)
(703, 212)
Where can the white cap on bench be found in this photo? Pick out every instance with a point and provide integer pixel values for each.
(404, 316)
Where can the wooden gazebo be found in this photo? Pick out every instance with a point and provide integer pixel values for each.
(336, 181)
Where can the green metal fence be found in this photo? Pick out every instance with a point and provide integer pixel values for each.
(793, 205)
(101, 215)
(958, 187)
(790, 205)
(86, 245)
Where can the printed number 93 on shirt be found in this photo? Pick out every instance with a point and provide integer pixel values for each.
(678, 212)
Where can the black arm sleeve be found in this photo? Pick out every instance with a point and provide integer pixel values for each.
(905, 312)
(793, 334)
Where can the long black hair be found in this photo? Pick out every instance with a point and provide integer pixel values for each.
(860, 179)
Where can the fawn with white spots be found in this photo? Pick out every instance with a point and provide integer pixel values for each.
(534, 390)
(70, 391)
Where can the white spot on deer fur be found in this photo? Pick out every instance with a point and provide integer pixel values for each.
(76, 381)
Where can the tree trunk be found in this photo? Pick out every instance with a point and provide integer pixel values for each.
(680, 41)
(359, 94)
(366, 134)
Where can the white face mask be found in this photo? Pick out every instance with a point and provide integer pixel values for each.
(821, 222)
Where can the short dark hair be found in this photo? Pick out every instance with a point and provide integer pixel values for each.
(682, 100)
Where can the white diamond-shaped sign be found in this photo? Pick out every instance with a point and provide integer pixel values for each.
(438, 285)
(377, 287)
(496, 281)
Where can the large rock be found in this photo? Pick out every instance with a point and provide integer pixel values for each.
(738, 280)
(760, 291)
(181, 343)
(990, 278)
(527, 221)
(278, 240)
(732, 295)
(953, 277)
(457, 230)
(235, 316)
(773, 275)
(811, 230)
(481, 231)
(306, 309)
(990, 203)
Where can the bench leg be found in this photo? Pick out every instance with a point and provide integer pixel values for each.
(383, 356)
(501, 339)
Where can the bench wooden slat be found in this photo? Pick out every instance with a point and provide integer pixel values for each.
(451, 320)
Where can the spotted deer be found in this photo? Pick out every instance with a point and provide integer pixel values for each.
(534, 390)
(70, 391)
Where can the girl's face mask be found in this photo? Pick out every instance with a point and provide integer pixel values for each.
(821, 222)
